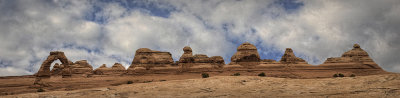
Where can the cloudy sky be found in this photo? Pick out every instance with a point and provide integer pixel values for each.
(107, 31)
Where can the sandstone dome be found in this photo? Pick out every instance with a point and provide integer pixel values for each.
(117, 66)
(143, 50)
(247, 46)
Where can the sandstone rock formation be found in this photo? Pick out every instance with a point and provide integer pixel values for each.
(201, 58)
(44, 70)
(147, 58)
(246, 55)
(186, 60)
(102, 70)
(57, 69)
(117, 68)
(355, 55)
(187, 56)
(269, 61)
(289, 58)
(81, 67)
(217, 61)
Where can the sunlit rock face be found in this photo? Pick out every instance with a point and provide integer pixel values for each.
(289, 58)
(44, 70)
(217, 61)
(246, 55)
(201, 58)
(148, 58)
(355, 55)
(81, 67)
(102, 70)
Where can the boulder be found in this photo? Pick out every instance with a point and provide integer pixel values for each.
(147, 58)
(246, 55)
(289, 58)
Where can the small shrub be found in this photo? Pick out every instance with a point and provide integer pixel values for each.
(40, 90)
(352, 75)
(163, 80)
(262, 74)
(338, 75)
(129, 82)
(335, 75)
(236, 74)
(205, 75)
(341, 75)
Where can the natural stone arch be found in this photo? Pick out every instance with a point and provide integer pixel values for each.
(44, 70)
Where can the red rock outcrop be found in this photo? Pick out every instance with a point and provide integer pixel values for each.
(102, 70)
(57, 69)
(81, 67)
(186, 60)
(147, 58)
(217, 61)
(289, 58)
(269, 61)
(201, 58)
(44, 70)
(117, 68)
(355, 55)
(246, 55)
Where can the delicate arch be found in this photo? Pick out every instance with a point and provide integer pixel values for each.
(44, 70)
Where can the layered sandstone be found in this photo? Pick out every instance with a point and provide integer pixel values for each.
(246, 55)
(57, 69)
(186, 60)
(289, 58)
(81, 67)
(201, 58)
(44, 70)
(102, 70)
(117, 68)
(217, 61)
(147, 58)
(269, 61)
(357, 56)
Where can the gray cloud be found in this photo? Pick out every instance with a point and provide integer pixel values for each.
(317, 30)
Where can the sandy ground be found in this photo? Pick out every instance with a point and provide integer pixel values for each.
(386, 85)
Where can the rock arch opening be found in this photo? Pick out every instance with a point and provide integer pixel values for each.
(44, 70)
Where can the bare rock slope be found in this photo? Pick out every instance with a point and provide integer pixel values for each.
(384, 85)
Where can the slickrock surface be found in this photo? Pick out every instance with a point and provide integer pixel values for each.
(289, 58)
(373, 86)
